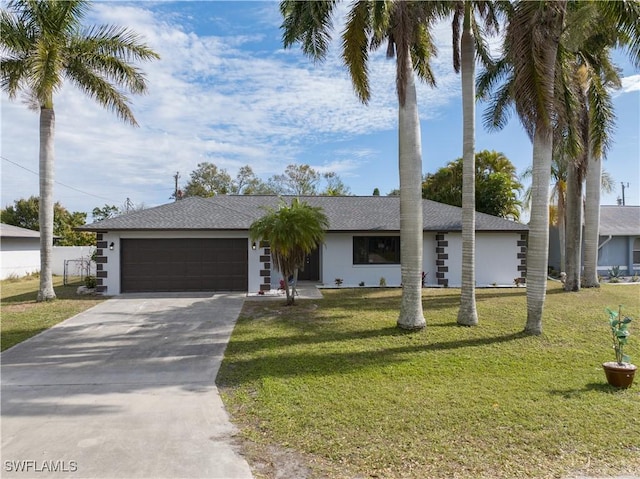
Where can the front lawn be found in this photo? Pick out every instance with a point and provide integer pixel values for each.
(335, 384)
(23, 317)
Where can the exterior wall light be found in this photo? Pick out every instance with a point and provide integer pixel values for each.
(253, 246)
(111, 246)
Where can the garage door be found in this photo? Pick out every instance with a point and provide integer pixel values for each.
(183, 265)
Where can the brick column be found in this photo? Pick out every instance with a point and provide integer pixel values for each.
(265, 272)
(522, 255)
(441, 258)
(101, 262)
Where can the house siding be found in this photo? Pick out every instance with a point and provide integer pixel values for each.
(617, 251)
(20, 257)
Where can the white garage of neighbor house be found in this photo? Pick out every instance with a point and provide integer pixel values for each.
(202, 244)
(20, 249)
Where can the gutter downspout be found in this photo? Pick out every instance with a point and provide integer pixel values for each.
(605, 241)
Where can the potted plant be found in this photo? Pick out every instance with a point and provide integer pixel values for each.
(620, 372)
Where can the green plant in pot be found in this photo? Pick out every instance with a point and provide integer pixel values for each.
(620, 372)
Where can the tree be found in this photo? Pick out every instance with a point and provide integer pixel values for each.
(558, 196)
(208, 180)
(464, 58)
(404, 26)
(106, 212)
(25, 214)
(42, 43)
(496, 185)
(334, 185)
(110, 211)
(615, 24)
(587, 116)
(528, 72)
(292, 231)
(246, 182)
(297, 180)
(376, 192)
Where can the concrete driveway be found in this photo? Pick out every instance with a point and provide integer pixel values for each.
(123, 390)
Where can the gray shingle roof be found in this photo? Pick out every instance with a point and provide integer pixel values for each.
(10, 231)
(345, 213)
(620, 220)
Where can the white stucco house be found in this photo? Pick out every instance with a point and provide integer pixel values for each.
(202, 244)
(19, 251)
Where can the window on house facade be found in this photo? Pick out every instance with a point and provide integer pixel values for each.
(376, 250)
(636, 251)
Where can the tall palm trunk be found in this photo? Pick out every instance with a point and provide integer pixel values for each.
(411, 227)
(538, 246)
(562, 230)
(592, 222)
(467, 314)
(45, 214)
(573, 246)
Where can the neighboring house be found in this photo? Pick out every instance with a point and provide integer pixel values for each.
(20, 251)
(202, 244)
(619, 243)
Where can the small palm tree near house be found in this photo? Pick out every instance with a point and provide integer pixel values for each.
(292, 231)
(43, 43)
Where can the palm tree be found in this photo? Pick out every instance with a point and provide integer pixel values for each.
(558, 196)
(42, 43)
(465, 47)
(292, 231)
(582, 136)
(404, 26)
(587, 74)
(617, 24)
(529, 65)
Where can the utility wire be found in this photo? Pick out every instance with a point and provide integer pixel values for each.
(55, 181)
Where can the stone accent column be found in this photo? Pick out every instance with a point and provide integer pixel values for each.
(265, 272)
(522, 255)
(441, 258)
(101, 263)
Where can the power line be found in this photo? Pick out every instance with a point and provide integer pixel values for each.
(55, 181)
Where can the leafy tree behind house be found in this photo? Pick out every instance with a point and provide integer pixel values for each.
(25, 212)
(497, 185)
(109, 211)
(208, 180)
(106, 212)
(292, 231)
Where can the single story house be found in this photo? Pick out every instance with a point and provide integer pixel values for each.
(19, 251)
(619, 242)
(202, 244)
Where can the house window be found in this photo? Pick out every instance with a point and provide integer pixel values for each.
(636, 251)
(376, 250)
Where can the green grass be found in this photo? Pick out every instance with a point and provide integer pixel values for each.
(22, 317)
(335, 381)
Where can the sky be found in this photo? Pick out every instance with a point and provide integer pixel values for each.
(226, 91)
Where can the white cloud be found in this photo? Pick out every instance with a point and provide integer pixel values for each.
(232, 99)
(630, 83)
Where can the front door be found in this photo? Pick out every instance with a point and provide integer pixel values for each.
(311, 270)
